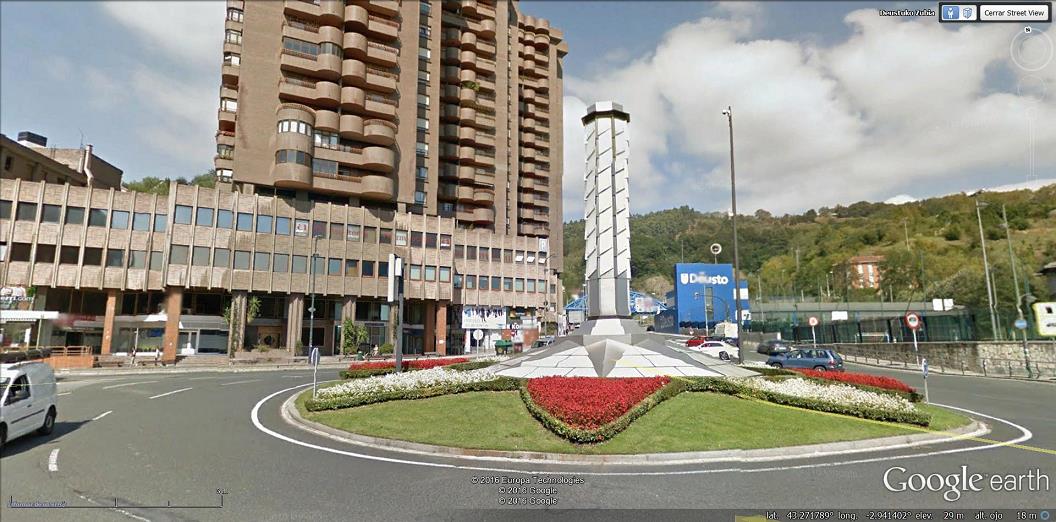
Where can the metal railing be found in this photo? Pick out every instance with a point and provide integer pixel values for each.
(383, 21)
(383, 47)
(952, 361)
(304, 25)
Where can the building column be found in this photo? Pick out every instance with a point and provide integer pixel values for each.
(108, 321)
(40, 302)
(429, 330)
(237, 326)
(294, 319)
(173, 307)
(441, 328)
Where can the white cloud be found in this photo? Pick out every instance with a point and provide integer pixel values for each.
(191, 32)
(897, 102)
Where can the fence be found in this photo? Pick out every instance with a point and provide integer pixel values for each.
(988, 359)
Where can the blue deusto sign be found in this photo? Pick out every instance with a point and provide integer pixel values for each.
(697, 284)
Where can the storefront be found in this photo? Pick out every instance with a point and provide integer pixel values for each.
(143, 334)
(22, 328)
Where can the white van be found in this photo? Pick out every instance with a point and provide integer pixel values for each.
(27, 399)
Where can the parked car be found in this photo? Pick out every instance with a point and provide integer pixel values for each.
(720, 349)
(698, 340)
(27, 400)
(773, 346)
(810, 358)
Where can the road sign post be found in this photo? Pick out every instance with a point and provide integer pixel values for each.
(395, 295)
(913, 323)
(924, 369)
(813, 321)
(313, 359)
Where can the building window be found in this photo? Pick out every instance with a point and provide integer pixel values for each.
(483, 282)
(264, 223)
(351, 268)
(422, 149)
(368, 269)
(224, 219)
(300, 228)
(300, 264)
(471, 252)
(457, 283)
(336, 230)
(224, 174)
(137, 259)
(445, 241)
(419, 197)
(430, 273)
(200, 256)
(182, 215)
(423, 124)
(204, 218)
(416, 272)
(221, 258)
(50, 214)
(293, 156)
(235, 15)
(74, 215)
(330, 48)
(97, 217)
(333, 267)
(430, 240)
(297, 126)
(531, 285)
(518, 285)
(507, 256)
(300, 46)
(445, 274)
(261, 261)
(424, 54)
(281, 263)
(422, 172)
(282, 227)
(423, 76)
(225, 151)
(228, 104)
(385, 236)
(496, 255)
(319, 229)
(45, 254)
(416, 239)
(401, 238)
(423, 100)
(28, 212)
(383, 269)
(241, 260)
(352, 233)
(370, 235)
(156, 260)
(495, 283)
(233, 36)
(92, 256)
(483, 254)
(232, 58)
(177, 254)
(245, 222)
(141, 221)
(328, 140)
(471, 282)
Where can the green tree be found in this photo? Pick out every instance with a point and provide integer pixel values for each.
(352, 336)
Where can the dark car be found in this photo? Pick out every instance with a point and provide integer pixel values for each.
(773, 346)
(809, 358)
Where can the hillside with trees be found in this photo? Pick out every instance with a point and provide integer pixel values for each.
(806, 254)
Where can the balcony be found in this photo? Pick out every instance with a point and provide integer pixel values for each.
(226, 117)
(531, 229)
(327, 94)
(487, 28)
(381, 80)
(380, 106)
(533, 214)
(354, 72)
(292, 175)
(296, 90)
(541, 42)
(466, 115)
(357, 17)
(388, 8)
(449, 93)
(382, 54)
(464, 193)
(383, 27)
(302, 9)
(355, 44)
(483, 196)
(298, 62)
(381, 132)
(466, 39)
(469, 7)
(467, 96)
(353, 99)
(377, 187)
(485, 10)
(229, 74)
(485, 65)
(225, 137)
(467, 58)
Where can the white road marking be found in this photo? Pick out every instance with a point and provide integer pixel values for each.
(254, 416)
(64, 393)
(201, 378)
(112, 386)
(294, 376)
(239, 382)
(169, 393)
(103, 414)
(53, 460)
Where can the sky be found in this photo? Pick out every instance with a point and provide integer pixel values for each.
(832, 102)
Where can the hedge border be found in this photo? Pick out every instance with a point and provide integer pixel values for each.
(501, 383)
(781, 372)
(461, 367)
(607, 431)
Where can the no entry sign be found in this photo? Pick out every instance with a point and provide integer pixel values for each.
(913, 321)
(812, 321)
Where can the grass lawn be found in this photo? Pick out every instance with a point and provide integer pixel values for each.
(688, 422)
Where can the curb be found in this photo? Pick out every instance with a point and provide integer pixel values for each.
(893, 366)
(116, 372)
(973, 429)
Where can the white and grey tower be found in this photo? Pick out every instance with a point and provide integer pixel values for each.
(607, 211)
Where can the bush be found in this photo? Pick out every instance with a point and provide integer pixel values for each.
(367, 372)
(348, 401)
(606, 431)
(873, 383)
(358, 370)
(386, 348)
(471, 365)
(769, 370)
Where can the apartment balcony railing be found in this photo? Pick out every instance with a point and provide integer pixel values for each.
(388, 100)
(383, 72)
(304, 25)
(299, 54)
(383, 47)
(298, 82)
(383, 21)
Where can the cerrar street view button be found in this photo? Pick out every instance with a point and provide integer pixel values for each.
(1041, 12)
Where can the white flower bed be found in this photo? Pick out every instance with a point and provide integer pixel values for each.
(754, 364)
(405, 381)
(832, 393)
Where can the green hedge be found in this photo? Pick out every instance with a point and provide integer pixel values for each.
(360, 374)
(712, 384)
(335, 403)
(607, 431)
(471, 365)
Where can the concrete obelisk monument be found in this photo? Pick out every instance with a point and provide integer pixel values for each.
(610, 343)
(607, 203)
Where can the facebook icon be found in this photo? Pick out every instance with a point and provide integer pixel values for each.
(951, 12)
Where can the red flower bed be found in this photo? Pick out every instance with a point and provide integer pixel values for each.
(409, 364)
(591, 402)
(876, 381)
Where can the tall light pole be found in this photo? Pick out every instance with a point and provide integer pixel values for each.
(736, 261)
(1015, 282)
(311, 307)
(986, 262)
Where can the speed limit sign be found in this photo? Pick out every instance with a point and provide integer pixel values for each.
(812, 321)
(913, 320)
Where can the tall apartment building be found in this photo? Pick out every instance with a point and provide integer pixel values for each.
(347, 131)
(446, 108)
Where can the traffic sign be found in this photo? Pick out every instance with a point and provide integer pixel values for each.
(812, 321)
(1021, 324)
(716, 249)
(912, 321)
(313, 357)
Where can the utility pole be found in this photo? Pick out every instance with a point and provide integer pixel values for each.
(736, 261)
(311, 307)
(986, 264)
(1019, 297)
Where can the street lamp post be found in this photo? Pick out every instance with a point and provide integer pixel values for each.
(1019, 297)
(311, 307)
(703, 296)
(986, 264)
(736, 261)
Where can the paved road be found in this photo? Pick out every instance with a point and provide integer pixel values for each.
(179, 438)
